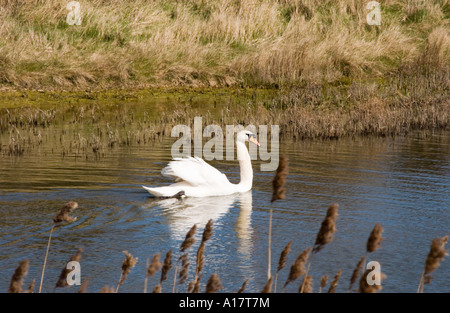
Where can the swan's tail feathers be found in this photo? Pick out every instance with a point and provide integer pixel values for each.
(165, 192)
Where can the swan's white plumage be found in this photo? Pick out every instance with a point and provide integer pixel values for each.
(196, 178)
(193, 171)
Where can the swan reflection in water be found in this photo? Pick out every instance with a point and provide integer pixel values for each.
(182, 214)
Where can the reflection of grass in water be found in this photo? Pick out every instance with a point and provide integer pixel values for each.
(89, 125)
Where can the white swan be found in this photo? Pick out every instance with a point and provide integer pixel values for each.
(196, 178)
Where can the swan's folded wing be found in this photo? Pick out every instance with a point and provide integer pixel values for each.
(194, 171)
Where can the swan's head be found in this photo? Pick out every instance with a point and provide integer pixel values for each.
(246, 135)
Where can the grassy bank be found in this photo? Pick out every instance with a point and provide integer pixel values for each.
(217, 43)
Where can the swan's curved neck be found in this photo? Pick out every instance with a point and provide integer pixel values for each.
(245, 166)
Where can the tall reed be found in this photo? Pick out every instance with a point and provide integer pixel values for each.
(334, 282)
(282, 262)
(200, 261)
(373, 243)
(152, 268)
(127, 265)
(167, 265)
(325, 234)
(435, 257)
(279, 193)
(17, 278)
(62, 280)
(186, 244)
(62, 216)
(214, 284)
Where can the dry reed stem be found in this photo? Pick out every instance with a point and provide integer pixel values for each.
(356, 272)
(214, 284)
(298, 267)
(334, 283)
(62, 280)
(45, 259)
(374, 241)
(63, 215)
(20, 272)
(327, 229)
(127, 265)
(84, 286)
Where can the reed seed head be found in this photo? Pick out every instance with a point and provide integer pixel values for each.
(207, 232)
(154, 266)
(283, 256)
(200, 257)
(268, 286)
(327, 229)
(307, 284)
(127, 265)
(279, 191)
(242, 289)
(323, 281)
(356, 272)
(184, 268)
(189, 239)
(435, 256)
(17, 278)
(167, 265)
(214, 284)
(64, 213)
(374, 241)
(62, 280)
(196, 288)
(31, 286)
(157, 289)
(298, 268)
(364, 286)
(334, 283)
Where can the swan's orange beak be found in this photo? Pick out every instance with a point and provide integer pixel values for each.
(253, 139)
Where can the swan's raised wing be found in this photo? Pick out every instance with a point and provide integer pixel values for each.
(194, 171)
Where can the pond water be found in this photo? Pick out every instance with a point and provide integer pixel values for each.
(401, 182)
